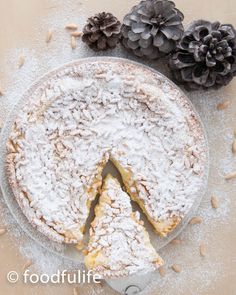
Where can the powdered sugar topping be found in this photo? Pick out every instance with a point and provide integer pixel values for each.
(118, 240)
(86, 113)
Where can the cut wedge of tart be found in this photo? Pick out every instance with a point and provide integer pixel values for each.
(119, 245)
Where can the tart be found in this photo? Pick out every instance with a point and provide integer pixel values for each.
(119, 245)
(75, 119)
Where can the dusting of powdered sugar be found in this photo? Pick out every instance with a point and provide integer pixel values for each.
(118, 238)
(198, 274)
(88, 112)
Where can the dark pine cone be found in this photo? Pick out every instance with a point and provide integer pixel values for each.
(206, 56)
(152, 28)
(102, 31)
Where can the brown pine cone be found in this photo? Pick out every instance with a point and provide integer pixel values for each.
(102, 31)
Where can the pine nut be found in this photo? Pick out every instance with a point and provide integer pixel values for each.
(162, 271)
(71, 27)
(176, 242)
(27, 264)
(2, 231)
(73, 42)
(214, 202)
(202, 250)
(1, 92)
(76, 34)
(223, 105)
(234, 146)
(176, 268)
(230, 175)
(21, 61)
(195, 220)
(49, 36)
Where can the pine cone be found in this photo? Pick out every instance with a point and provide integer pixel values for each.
(102, 31)
(152, 28)
(206, 56)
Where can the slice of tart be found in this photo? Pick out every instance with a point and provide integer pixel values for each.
(119, 245)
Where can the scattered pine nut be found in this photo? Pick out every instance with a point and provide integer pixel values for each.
(223, 105)
(75, 291)
(85, 252)
(21, 61)
(76, 34)
(234, 146)
(230, 175)
(162, 271)
(80, 246)
(202, 250)
(1, 92)
(49, 36)
(27, 264)
(176, 268)
(100, 283)
(176, 242)
(2, 231)
(195, 220)
(71, 27)
(73, 42)
(214, 202)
